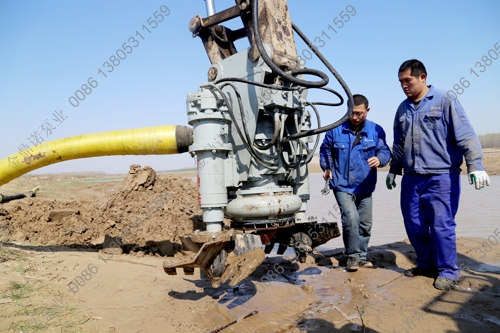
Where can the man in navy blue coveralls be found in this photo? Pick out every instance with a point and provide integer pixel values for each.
(349, 157)
(432, 134)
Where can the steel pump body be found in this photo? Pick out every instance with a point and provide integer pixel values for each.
(251, 137)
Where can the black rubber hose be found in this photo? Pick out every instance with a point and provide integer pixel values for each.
(231, 114)
(242, 112)
(330, 104)
(245, 128)
(263, 85)
(350, 105)
(311, 154)
(275, 68)
(7, 198)
(270, 86)
(292, 165)
(274, 138)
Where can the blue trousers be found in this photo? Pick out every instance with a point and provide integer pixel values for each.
(429, 204)
(356, 222)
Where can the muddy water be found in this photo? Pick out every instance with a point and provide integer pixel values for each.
(478, 214)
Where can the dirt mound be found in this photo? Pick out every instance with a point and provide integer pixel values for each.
(144, 212)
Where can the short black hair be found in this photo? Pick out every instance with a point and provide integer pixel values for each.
(360, 99)
(415, 66)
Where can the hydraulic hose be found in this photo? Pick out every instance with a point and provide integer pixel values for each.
(245, 127)
(253, 152)
(263, 85)
(247, 145)
(350, 106)
(275, 134)
(275, 68)
(311, 154)
(330, 104)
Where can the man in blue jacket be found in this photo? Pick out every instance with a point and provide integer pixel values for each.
(349, 157)
(432, 134)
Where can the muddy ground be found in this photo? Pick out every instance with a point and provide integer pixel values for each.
(55, 275)
(142, 213)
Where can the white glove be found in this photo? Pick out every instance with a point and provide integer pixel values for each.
(390, 181)
(479, 178)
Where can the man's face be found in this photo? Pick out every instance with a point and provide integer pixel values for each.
(412, 86)
(358, 115)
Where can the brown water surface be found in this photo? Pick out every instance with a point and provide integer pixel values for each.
(478, 213)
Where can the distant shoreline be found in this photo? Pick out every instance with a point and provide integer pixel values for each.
(491, 160)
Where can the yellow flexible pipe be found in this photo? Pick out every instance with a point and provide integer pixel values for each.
(156, 140)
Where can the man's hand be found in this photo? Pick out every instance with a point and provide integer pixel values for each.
(390, 181)
(479, 178)
(327, 174)
(373, 162)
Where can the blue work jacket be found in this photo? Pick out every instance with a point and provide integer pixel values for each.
(350, 170)
(434, 138)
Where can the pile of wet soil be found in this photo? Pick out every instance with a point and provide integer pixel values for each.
(144, 211)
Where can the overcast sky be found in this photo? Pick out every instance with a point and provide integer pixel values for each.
(48, 49)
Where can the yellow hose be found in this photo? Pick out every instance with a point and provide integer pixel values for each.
(157, 140)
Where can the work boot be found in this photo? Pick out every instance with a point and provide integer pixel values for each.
(417, 271)
(442, 283)
(352, 264)
(365, 264)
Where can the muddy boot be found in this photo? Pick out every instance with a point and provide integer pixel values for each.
(417, 271)
(352, 264)
(365, 264)
(442, 283)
